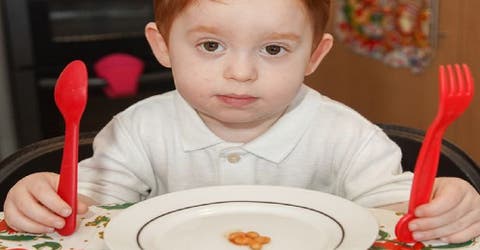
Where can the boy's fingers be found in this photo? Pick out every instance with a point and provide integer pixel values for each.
(444, 200)
(50, 199)
(45, 193)
(436, 207)
(19, 222)
(38, 213)
(429, 223)
(463, 225)
(435, 219)
(82, 208)
(463, 236)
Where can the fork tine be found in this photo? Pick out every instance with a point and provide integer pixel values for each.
(460, 79)
(452, 81)
(442, 80)
(469, 79)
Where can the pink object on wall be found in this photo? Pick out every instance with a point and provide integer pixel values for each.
(122, 73)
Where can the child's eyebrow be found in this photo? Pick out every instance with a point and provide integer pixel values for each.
(287, 36)
(202, 28)
(272, 36)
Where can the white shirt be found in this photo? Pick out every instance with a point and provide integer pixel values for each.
(160, 145)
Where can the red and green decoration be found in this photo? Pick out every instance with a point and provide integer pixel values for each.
(386, 242)
(6, 233)
(401, 33)
(44, 241)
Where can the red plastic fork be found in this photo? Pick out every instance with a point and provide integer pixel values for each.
(456, 92)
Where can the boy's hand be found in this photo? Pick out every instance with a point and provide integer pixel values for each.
(453, 215)
(33, 205)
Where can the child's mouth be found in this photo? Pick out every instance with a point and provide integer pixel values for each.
(237, 100)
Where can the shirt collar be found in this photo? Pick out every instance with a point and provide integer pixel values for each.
(274, 145)
(194, 134)
(280, 140)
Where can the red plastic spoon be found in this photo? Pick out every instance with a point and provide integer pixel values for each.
(71, 99)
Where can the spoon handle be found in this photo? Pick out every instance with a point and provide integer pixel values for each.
(67, 186)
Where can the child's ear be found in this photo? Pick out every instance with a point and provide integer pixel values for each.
(158, 44)
(319, 53)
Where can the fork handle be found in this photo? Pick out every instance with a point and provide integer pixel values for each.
(426, 168)
(423, 179)
(67, 186)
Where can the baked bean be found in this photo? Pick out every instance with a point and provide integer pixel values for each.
(235, 235)
(252, 235)
(256, 246)
(263, 239)
(252, 239)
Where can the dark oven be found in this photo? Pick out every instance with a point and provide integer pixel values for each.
(44, 35)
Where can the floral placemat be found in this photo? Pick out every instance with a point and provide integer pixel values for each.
(88, 235)
(90, 228)
(386, 236)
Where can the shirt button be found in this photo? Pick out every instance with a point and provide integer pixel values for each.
(233, 158)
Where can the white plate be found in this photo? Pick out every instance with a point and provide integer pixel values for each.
(202, 218)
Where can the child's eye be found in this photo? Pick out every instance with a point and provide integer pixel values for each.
(211, 46)
(274, 50)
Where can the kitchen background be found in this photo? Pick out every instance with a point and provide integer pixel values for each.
(380, 92)
(390, 95)
(7, 130)
(42, 36)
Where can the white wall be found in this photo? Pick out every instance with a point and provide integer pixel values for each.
(7, 129)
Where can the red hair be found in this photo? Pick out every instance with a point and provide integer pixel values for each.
(167, 10)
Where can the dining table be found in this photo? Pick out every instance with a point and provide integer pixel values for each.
(89, 233)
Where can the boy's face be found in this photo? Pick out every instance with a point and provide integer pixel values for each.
(240, 62)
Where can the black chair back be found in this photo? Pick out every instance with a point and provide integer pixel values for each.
(453, 161)
(41, 156)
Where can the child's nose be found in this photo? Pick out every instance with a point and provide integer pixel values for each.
(240, 68)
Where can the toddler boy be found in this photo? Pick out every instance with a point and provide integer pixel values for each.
(241, 114)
